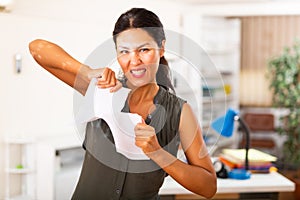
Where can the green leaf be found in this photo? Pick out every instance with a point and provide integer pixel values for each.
(283, 72)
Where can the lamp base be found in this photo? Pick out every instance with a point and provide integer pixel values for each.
(240, 174)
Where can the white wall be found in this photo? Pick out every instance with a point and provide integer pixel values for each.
(33, 103)
(246, 8)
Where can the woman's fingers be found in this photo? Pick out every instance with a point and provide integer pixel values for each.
(140, 127)
(145, 138)
(107, 79)
(117, 86)
(143, 131)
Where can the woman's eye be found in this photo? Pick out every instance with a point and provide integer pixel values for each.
(144, 50)
(123, 51)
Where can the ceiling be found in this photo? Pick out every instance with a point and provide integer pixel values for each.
(221, 1)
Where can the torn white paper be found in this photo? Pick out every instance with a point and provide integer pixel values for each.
(100, 103)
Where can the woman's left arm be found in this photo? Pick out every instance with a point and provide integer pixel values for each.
(197, 175)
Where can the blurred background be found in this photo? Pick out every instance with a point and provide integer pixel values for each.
(40, 151)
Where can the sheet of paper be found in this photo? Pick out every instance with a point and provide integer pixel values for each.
(100, 103)
(254, 155)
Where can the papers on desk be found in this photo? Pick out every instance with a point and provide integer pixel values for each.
(258, 160)
(100, 103)
(254, 155)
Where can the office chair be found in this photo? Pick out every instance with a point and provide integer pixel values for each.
(262, 133)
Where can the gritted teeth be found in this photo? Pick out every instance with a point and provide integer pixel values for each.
(137, 71)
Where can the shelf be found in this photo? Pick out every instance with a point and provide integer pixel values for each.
(19, 171)
(220, 63)
(181, 90)
(21, 197)
(19, 140)
(208, 100)
(221, 51)
(20, 161)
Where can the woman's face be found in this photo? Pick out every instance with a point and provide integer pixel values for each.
(138, 55)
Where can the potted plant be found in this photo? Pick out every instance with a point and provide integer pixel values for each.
(284, 75)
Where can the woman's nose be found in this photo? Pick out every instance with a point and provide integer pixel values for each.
(135, 58)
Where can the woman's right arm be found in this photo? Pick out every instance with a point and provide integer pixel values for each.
(59, 63)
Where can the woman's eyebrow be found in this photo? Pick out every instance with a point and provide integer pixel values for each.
(140, 46)
(122, 47)
(145, 44)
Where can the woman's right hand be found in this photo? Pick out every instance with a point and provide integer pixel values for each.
(106, 78)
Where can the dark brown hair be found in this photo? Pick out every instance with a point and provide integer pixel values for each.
(148, 21)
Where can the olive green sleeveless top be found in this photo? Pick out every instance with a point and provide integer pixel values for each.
(107, 174)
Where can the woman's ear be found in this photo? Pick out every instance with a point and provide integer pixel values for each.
(162, 48)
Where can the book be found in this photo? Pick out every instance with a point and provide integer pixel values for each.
(259, 162)
(254, 156)
(236, 157)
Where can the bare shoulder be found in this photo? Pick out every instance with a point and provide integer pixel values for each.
(188, 116)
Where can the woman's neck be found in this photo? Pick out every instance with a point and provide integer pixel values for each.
(140, 100)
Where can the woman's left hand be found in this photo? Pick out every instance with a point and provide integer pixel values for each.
(145, 138)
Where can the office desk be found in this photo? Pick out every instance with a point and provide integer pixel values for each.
(265, 186)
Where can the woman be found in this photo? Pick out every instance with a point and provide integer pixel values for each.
(140, 41)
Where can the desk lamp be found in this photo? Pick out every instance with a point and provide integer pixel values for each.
(224, 126)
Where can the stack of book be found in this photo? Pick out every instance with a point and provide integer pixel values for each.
(259, 162)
